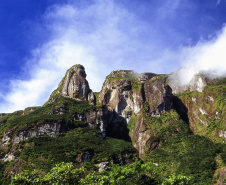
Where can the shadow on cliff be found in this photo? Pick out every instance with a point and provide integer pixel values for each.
(181, 109)
(115, 125)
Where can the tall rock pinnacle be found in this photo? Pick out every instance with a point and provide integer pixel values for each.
(75, 85)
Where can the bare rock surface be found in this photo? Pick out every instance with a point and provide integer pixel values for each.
(74, 85)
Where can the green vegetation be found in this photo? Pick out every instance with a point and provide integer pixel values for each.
(44, 152)
(126, 75)
(181, 152)
(65, 173)
(175, 148)
(188, 155)
(165, 126)
(132, 122)
(47, 114)
(208, 106)
(117, 75)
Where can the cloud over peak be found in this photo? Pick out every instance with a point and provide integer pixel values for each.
(207, 57)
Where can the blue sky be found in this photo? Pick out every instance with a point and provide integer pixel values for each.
(40, 40)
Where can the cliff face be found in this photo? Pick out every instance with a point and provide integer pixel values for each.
(125, 92)
(117, 94)
(125, 95)
(206, 110)
(204, 99)
(119, 101)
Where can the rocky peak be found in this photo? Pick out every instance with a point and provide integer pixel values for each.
(74, 85)
(116, 91)
(126, 91)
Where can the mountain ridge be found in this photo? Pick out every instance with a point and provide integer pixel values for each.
(144, 110)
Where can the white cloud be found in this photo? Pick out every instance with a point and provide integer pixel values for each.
(206, 57)
(90, 36)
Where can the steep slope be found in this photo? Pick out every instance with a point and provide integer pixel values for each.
(205, 100)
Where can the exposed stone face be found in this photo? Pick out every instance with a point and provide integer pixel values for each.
(7, 137)
(139, 135)
(93, 118)
(49, 129)
(117, 100)
(74, 85)
(158, 95)
(102, 166)
(223, 173)
(222, 133)
(137, 102)
(123, 95)
(117, 96)
(160, 99)
(204, 109)
(91, 98)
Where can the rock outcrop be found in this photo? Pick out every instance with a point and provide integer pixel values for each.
(123, 96)
(124, 92)
(118, 102)
(45, 129)
(74, 85)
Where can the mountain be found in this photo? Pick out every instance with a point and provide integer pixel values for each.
(146, 117)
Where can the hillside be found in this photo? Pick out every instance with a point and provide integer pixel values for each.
(143, 127)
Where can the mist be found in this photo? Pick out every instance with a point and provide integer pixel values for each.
(207, 57)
